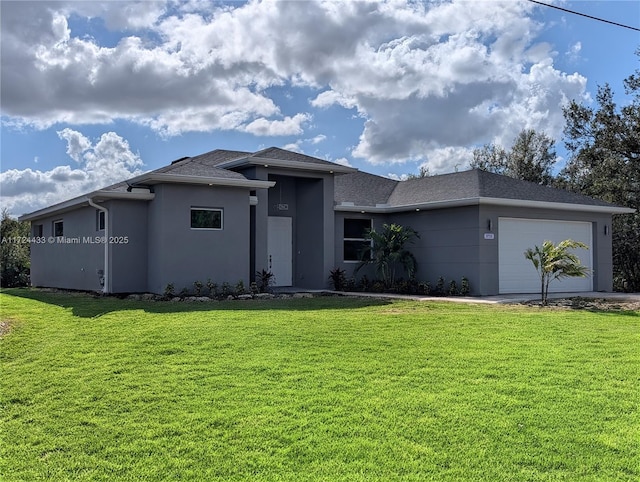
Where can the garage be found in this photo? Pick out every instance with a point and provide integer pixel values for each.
(517, 274)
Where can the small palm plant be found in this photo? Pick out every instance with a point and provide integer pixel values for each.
(387, 252)
(556, 262)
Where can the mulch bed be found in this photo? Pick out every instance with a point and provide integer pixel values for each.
(591, 304)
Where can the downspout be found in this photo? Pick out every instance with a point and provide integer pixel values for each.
(107, 277)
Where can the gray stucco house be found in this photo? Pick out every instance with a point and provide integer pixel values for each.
(225, 214)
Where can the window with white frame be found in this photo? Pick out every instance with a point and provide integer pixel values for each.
(355, 241)
(58, 228)
(206, 218)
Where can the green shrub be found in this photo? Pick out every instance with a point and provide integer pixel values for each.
(464, 287)
(365, 283)
(197, 287)
(212, 287)
(453, 288)
(439, 291)
(169, 290)
(226, 290)
(239, 288)
(264, 280)
(424, 288)
(338, 279)
(377, 287)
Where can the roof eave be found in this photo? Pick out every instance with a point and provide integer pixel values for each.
(80, 201)
(301, 166)
(593, 208)
(159, 178)
(484, 201)
(408, 207)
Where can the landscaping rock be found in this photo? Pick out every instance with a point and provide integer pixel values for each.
(264, 296)
(245, 297)
(175, 299)
(148, 297)
(134, 297)
(303, 295)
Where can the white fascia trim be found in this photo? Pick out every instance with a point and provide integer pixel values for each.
(349, 207)
(84, 200)
(556, 206)
(303, 166)
(155, 178)
(407, 207)
(132, 196)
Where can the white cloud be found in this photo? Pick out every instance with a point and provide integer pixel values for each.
(573, 54)
(294, 146)
(318, 139)
(343, 161)
(108, 161)
(77, 144)
(331, 97)
(285, 127)
(425, 76)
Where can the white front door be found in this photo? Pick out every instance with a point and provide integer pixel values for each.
(280, 249)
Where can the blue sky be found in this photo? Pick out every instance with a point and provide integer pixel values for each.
(95, 92)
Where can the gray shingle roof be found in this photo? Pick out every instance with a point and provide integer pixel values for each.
(369, 190)
(495, 185)
(198, 166)
(445, 187)
(284, 155)
(219, 156)
(363, 189)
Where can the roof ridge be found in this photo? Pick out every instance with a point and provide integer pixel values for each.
(290, 156)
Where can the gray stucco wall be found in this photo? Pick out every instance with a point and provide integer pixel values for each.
(72, 264)
(448, 245)
(452, 243)
(311, 233)
(181, 255)
(128, 228)
(75, 264)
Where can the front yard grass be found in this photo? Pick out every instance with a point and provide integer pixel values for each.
(327, 389)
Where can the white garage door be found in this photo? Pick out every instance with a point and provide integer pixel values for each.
(517, 274)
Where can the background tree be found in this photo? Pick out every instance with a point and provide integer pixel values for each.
(423, 172)
(604, 146)
(531, 158)
(556, 262)
(14, 254)
(388, 251)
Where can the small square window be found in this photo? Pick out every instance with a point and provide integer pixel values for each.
(99, 220)
(206, 218)
(355, 238)
(58, 228)
(38, 230)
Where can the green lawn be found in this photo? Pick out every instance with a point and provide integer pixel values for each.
(315, 389)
